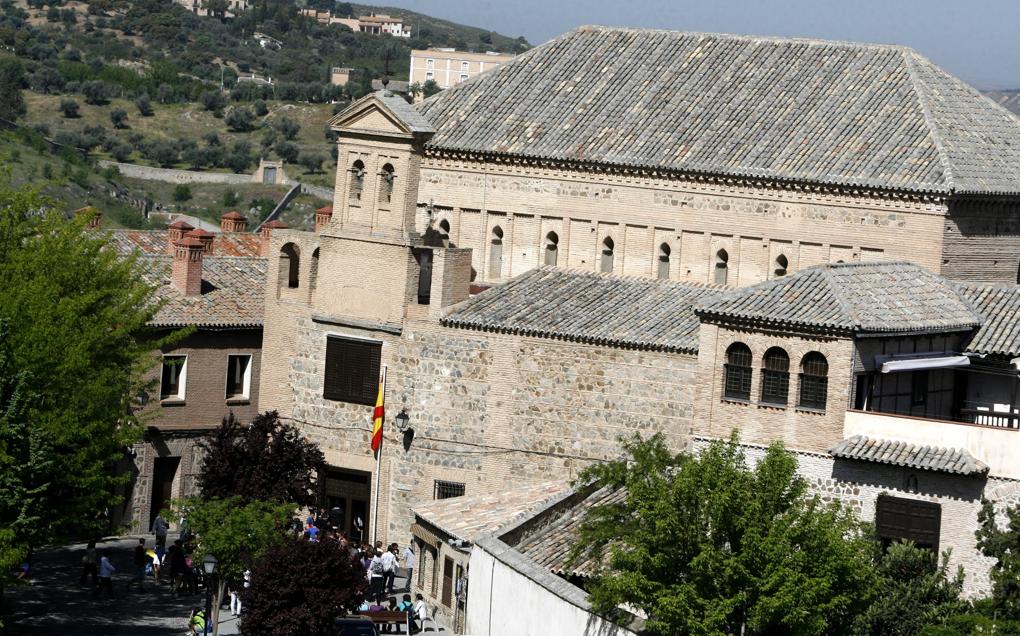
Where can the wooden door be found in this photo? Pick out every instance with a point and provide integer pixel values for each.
(447, 581)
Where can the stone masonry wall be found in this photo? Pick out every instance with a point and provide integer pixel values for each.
(858, 485)
(754, 225)
(491, 411)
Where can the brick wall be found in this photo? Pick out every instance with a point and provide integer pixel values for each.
(754, 225)
(982, 241)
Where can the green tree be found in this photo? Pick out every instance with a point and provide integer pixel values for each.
(261, 109)
(430, 88)
(76, 312)
(69, 108)
(118, 117)
(703, 544)
(12, 102)
(236, 532)
(182, 193)
(240, 119)
(288, 151)
(1003, 545)
(914, 591)
(288, 128)
(144, 105)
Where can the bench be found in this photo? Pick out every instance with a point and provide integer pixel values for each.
(387, 617)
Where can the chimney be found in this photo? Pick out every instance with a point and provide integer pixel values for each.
(175, 233)
(186, 274)
(233, 221)
(266, 233)
(204, 236)
(95, 217)
(322, 217)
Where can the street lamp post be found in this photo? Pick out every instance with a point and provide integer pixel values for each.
(209, 567)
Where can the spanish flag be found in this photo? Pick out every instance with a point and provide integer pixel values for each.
(378, 414)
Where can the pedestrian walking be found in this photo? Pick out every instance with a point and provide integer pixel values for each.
(409, 562)
(90, 564)
(235, 593)
(139, 560)
(389, 565)
(177, 565)
(106, 571)
(376, 574)
(160, 528)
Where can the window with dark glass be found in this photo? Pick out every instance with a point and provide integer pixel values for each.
(814, 381)
(424, 258)
(238, 376)
(352, 370)
(775, 377)
(900, 519)
(919, 388)
(447, 489)
(737, 372)
(172, 382)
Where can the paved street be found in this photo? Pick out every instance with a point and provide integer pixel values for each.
(56, 604)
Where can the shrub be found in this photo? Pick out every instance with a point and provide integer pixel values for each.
(287, 151)
(240, 119)
(212, 101)
(261, 110)
(96, 92)
(144, 105)
(118, 117)
(311, 162)
(182, 193)
(231, 199)
(121, 152)
(69, 108)
(288, 128)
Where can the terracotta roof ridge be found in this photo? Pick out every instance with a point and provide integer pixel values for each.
(909, 57)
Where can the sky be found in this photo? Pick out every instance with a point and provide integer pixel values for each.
(976, 40)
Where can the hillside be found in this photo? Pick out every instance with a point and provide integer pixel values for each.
(1009, 99)
(435, 32)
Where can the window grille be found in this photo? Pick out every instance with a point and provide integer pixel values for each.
(775, 377)
(814, 381)
(737, 372)
(447, 489)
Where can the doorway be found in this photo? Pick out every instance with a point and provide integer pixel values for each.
(347, 494)
(269, 176)
(164, 470)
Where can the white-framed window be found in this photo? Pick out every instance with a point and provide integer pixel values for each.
(430, 64)
(463, 76)
(429, 76)
(238, 376)
(464, 65)
(174, 377)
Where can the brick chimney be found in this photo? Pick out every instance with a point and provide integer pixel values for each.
(233, 221)
(95, 217)
(206, 238)
(186, 274)
(322, 217)
(175, 233)
(266, 233)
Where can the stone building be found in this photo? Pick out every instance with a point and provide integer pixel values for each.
(214, 283)
(719, 158)
(448, 67)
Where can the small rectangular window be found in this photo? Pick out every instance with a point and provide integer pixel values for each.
(919, 388)
(429, 75)
(239, 376)
(352, 370)
(424, 258)
(900, 519)
(174, 377)
(463, 76)
(464, 65)
(430, 64)
(447, 489)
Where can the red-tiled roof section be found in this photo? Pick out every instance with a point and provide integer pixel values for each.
(154, 242)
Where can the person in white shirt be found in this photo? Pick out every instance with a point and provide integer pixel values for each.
(389, 564)
(421, 609)
(409, 560)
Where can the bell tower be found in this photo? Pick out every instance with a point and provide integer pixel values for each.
(380, 143)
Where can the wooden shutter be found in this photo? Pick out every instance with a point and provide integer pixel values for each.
(897, 518)
(447, 581)
(352, 370)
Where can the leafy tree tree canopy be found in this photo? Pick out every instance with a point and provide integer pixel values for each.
(1003, 545)
(299, 587)
(706, 544)
(267, 460)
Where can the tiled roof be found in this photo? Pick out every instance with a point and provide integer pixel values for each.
(697, 103)
(467, 517)
(233, 292)
(897, 453)
(558, 530)
(397, 106)
(1000, 307)
(601, 309)
(849, 298)
(154, 242)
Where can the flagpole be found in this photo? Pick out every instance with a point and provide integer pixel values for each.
(378, 471)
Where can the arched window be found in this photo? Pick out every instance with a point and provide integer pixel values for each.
(662, 268)
(313, 272)
(814, 381)
(606, 264)
(782, 264)
(386, 184)
(552, 248)
(722, 267)
(290, 265)
(357, 181)
(496, 253)
(444, 232)
(775, 377)
(737, 372)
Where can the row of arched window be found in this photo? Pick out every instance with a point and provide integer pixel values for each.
(357, 183)
(775, 377)
(607, 256)
(289, 275)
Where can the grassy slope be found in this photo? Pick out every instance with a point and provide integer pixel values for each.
(176, 121)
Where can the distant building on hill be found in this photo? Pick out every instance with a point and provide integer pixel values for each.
(198, 7)
(449, 67)
(340, 76)
(373, 24)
